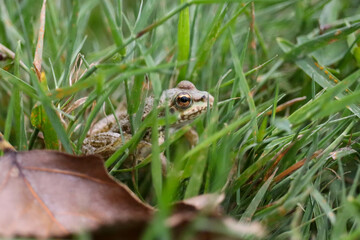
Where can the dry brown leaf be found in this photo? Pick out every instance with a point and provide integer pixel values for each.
(52, 194)
(47, 193)
(187, 210)
(213, 225)
(191, 207)
(209, 202)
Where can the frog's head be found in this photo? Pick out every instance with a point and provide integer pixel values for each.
(186, 100)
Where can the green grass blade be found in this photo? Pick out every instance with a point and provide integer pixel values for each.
(183, 39)
(321, 41)
(242, 84)
(19, 83)
(72, 34)
(324, 205)
(115, 30)
(251, 209)
(9, 119)
(156, 164)
(52, 115)
(19, 119)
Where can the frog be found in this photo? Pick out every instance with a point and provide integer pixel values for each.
(185, 100)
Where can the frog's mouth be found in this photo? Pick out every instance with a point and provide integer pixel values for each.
(186, 116)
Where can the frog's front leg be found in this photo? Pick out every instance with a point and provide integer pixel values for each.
(192, 137)
(144, 149)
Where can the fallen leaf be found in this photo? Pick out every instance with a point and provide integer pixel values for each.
(47, 194)
(197, 218)
(52, 194)
(203, 216)
(203, 203)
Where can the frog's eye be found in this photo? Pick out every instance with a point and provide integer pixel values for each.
(183, 100)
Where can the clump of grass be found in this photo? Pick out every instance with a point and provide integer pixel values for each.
(293, 167)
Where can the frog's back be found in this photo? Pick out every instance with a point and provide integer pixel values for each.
(109, 124)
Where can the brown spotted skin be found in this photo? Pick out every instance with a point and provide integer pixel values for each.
(104, 138)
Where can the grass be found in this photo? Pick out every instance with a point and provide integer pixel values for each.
(295, 169)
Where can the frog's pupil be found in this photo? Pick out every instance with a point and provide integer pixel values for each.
(184, 99)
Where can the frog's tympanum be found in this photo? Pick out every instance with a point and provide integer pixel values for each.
(105, 138)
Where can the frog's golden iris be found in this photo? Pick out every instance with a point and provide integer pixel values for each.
(183, 100)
